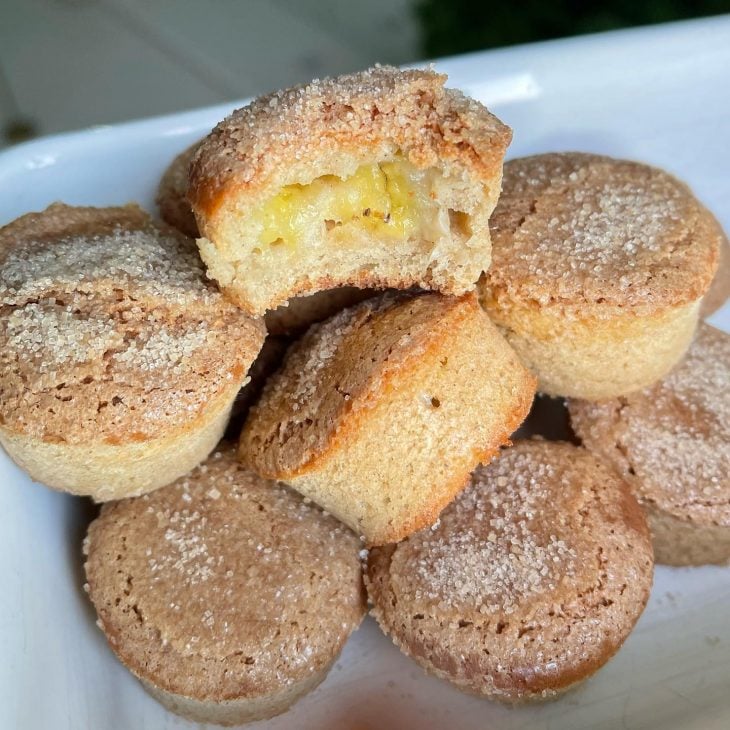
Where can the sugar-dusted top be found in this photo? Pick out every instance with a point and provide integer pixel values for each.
(223, 584)
(108, 328)
(576, 228)
(532, 576)
(672, 440)
(340, 367)
(99, 251)
(409, 109)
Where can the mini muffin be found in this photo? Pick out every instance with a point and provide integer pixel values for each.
(530, 582)
(382, 178)
(290, 318)
(172, 198)
(671, 442)
(599, 268)
(119, 361)
(381, 413)
(225, 594)
(720, 288)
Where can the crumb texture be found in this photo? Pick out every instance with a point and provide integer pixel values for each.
(531, 579)
(108, 326)
(572, 228)
(223, 585)
(671, 441)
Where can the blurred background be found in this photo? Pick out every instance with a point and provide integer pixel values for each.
(67, 64)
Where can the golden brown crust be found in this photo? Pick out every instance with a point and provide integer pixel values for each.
(671, 442)
(253, 147)
(719, 291)
(397, 369)
(109, 332)
(223, 586)
(580, 230)
(529, 583)
(172, 194)
(335, 370)
(288, 319)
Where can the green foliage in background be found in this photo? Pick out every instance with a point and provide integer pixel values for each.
(457, 26)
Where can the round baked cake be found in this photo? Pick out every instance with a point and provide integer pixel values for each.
(172, 199)
(377, 179)
(719, 291)
(225, 594)
(381, 413)
(530, 581)
(671, 442)
(599, 269)
(119, 361)
(288, 319)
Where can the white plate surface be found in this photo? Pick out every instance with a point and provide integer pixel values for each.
(659, 94)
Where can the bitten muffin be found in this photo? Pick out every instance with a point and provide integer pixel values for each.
(381, 413)
(530, 582)
(225, 594)
(599, 269)
(719, 291)
(671, 442)
(382, 178)
(290, 318)
(119, 361)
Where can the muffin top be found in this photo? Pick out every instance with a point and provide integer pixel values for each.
(340, 368)
(534, 575)
(672, 441)
(376, 110)
(109, 329)
(577, 229)
(223, 584)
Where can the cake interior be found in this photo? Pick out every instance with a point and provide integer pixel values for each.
(393, 199)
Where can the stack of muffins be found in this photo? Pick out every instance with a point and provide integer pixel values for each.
(367, 452)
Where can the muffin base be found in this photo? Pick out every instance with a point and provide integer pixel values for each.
(237, 711)
(681, 542)
(594, 357)
(106, 471)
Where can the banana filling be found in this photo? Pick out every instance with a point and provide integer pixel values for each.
(389, 199)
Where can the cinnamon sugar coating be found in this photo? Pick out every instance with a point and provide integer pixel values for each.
(108, 328)
(582, 229)
(672, 441)
(410, 109)
(223, 585)
(531, 579)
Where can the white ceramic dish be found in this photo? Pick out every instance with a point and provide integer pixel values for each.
(658, 94)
